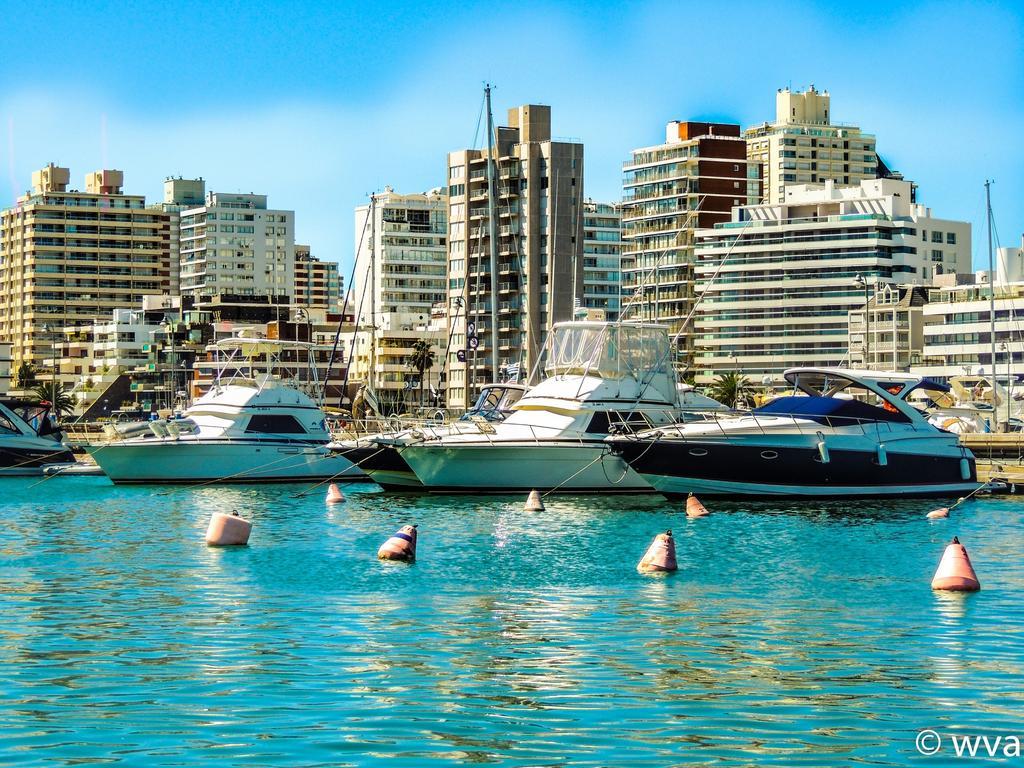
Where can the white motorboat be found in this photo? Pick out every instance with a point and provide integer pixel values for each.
(26, 449)
(599, 378)
(380, 455)
(251, 428)
(842, 433)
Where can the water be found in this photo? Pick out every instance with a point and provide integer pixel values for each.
(794, 634)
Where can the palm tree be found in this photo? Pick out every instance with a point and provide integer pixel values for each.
(26, 375)
(422, 360)
(53, 392)
(728, 388)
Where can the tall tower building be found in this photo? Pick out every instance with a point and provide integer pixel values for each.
(67, 257)
(235, 245)
(179, 194)
(503, 318)
(317, 283)
(691, 181)
(602, 258)
(400, 254)
(804, 146)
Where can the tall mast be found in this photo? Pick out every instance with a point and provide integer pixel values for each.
(373, 292)
(991, 299)
(492, 220)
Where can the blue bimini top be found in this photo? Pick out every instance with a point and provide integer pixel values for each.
(829, 410)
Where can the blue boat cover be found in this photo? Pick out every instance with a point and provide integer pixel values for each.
(829, 409)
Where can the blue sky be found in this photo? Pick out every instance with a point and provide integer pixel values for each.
(319, 104)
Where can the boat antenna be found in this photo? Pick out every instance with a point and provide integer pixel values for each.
(991, 299)
(341, 319)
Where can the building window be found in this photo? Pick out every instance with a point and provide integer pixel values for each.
(936, 237)
(951, 238)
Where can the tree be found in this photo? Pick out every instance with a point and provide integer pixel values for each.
(421, 361)
(729, 388)
(26, 375)
(53, 392)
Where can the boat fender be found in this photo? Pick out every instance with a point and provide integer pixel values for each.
(965, 469)
(822, 449)
(883, 458)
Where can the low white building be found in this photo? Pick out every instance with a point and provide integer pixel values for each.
(958, 330)
(778, 281)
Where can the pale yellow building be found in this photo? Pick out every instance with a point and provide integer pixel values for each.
(804, 146)
(68, 257)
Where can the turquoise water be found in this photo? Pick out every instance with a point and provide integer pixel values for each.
(792, 634)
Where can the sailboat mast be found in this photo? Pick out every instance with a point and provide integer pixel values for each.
(492, 219)
(373, 292)
(991, 299)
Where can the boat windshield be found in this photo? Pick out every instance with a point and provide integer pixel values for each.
(494, 403)
(608, 350)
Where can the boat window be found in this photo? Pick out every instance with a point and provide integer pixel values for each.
(836, 411)
(603, 423)
(7, 426)
(598, 424)
(278, 424)
(511, 398)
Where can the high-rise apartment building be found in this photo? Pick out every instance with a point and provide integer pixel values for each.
(179, 194)
(317, 283)
(67, 257)
(793, 271)
(691, 181)
(400, 254)
(602, 258)
(803, 146)
(499, 321)
(234, 244)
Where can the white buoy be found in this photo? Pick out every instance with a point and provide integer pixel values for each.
(938, 514)
(334, 494)
(534, 502)
(227, 530)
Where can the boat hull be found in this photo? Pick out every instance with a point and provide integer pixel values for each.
(179, 461)
(797, 469)
(390, 471)
(493, 467)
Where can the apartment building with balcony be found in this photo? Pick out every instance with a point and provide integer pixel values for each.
(401, 254)
(887, 334)
(499, 321)
(317, 283)
(602, 258)
(234, 244)
(6, 374)
(671, 190)
(67, 257)
(788, 275)
(958, 322)
(804, 146)
(179, 194)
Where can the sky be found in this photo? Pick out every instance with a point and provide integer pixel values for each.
(317, 105)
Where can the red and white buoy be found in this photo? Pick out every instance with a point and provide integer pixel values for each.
(694, 508)
(334, 494)
(534, 503)
(401, 546)
(660, 556)
(955, 571)
(228, 530)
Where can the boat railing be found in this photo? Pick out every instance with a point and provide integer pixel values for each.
(764, 423)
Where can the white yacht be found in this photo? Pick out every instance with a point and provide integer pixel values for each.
(250, 428)
(841, 433)
(26, 449)
(599, 377)
(380, 455)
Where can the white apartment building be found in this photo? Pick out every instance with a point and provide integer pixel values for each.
(792, 272)
(602, 258)
(804, 146)
(889, 336)
(401, 254)
(235, 245)
(179, 194)
(958, 329)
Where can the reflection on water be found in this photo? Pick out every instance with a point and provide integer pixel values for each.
(792, 633)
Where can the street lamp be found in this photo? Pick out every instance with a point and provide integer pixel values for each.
(863, 282)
